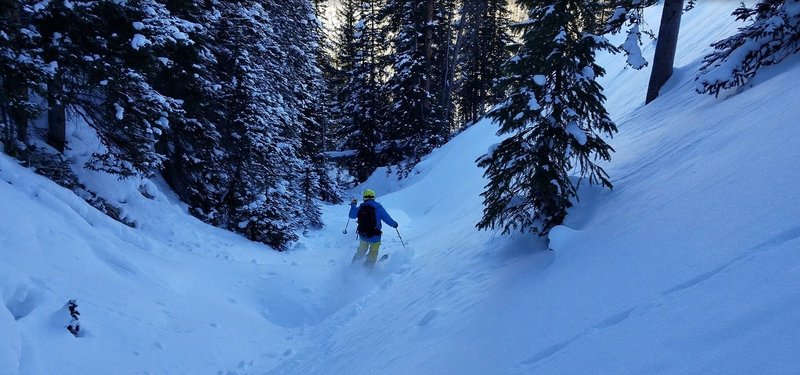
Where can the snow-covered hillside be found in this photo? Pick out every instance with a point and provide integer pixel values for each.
(689, 266)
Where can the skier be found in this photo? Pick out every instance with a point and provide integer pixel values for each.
(369, 215)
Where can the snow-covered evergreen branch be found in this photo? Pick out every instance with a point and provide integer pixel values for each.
(773, 35)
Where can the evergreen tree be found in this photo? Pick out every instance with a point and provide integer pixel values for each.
(220, 95)
(262, 135)
(443, 52)
(305, 56)
(483, 48)
(198, 144)
(324, 75)
(416, 122)
(630, 12)
(773, 35)
(106, 54)
(344, 54)
(361, 102)
(251, 143)
(554, 115)
(615, 15)
(300, 43)
(22, 71)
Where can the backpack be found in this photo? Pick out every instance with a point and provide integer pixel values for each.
(367, 221)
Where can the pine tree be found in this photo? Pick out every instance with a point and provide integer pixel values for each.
(219, 95)
(619, 13)
(443, 51)
(324, 76)
(22, 71)
(344, 56)
(615, 15)
(262, 133)
(106, 55)
(416, 123)
(248, 142)
(498, 40)
(483, 48)
(554, 116)
(773, 35)
(305, 56)
(197, 144)
(361, 102)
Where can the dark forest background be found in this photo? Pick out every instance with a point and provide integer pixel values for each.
(256, 112)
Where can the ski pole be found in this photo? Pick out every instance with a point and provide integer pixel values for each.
(348, 219)
(400, 237)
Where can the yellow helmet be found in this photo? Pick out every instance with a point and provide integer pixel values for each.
(369, 194)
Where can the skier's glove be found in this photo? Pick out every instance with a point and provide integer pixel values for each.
(354, 201)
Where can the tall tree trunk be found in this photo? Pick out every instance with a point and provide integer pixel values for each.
(480, 94)
(665, 48)
(16, 122)
(428, 56)
(450, 68)
(56, 115)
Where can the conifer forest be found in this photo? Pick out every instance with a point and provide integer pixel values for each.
(257, 112)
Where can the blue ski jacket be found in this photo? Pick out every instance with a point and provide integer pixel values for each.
(380, 216)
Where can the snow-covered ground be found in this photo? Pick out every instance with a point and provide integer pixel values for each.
(691, 265)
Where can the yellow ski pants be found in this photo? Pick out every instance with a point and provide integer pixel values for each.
(372, 257)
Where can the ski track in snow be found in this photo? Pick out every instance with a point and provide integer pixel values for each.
(784, 238)
(669, 295)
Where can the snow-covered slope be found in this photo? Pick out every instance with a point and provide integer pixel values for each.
(690, 265)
